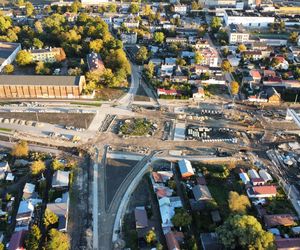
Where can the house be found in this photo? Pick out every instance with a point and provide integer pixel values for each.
(255, 75)
(257, 181)
(28, 190)
(253, 54)
(185, 168)
(162, 191)
(49, 55)
(141, 219)
(94, 62)
(279, 220)
(201, 44)
(210, 241)
(162, 176)
(17, 240)
(281, 63)
(129, 37)
(253, 173)
(287, 243)
(265, 175)
(237, 34)
(176, 40)
(215, 216)
(61, 208)
(166, 70)
(8, 53)
(172, 242)
(210, 57)
(171, 92)
(244, 177)
(199, 69)
(60, 179)
(198, 94)
(180, 8)
(167, 207)
(4, 168)
(261, 191)
(201, 193)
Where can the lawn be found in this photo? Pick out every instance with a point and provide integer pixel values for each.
(95, 104)
(5, 130)
(136, 127)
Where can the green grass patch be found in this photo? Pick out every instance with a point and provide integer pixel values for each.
(95, 104)
(5, 130)
(136, 127)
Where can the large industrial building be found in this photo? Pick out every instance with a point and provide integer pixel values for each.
(34, 86)
(8, 53)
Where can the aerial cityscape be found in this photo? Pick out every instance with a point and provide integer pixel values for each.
(161, 125)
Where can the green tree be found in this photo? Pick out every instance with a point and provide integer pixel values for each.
(38, 43)
(50, 218)
(42, 69)
(198, 57)
(181, 218)
(8, 69)
(215, 24)
(226, 66)
(33, 238)
(96, 45)
(234, 86)
(29, 8)
(225, 51)
(38, 27)
(37, 167)
(23, 58)
(195, 5)
(244, 232)
(238, 203)
(147, 11)
(293, 37)
(142, 54)
(159, 37)
(150, 237)
(180, 61)
(58, 241)
(75, 6)
(112, 8)
(20, 149)
(5, 23)
(159, 246)
(134, 8)
(57, 165)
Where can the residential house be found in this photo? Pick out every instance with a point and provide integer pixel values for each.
(244, 178)
(4, 168)
(162, 176)
(201, 44)
(257, 181)
(237, 34)
(162, 191)
(141, 219)
(167, 207)
(259, 46)
(176, 40)
(255, 75)
(253, 54)
(199, 69)
(185, 168)
(172, 242)
(48, 55)
(261, 191)
(210, 241)
(201, 193)
(60, 179)
(61, 208)
(215, 216)
(94, 62)
(170, 92)
(17, 240)
(129, 38)
(131, 23)
(198, 94)
(253, 173)
(265, 175)
(28, 191)
(210, 57)
(180, 8)
(275, 220)
(282, 63)
(166, 70)
(287, 243)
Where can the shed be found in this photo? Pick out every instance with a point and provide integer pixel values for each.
(253, 173)
(185, 168)
(141, 219)
(201, 192)
(265, 175)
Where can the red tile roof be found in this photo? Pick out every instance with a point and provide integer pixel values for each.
(264, 189)
(172, 241)
(279, 220)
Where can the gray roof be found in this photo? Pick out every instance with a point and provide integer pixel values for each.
(201, 192)
(6, 49)
(39, 80)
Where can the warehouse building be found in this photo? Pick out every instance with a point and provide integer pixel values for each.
(34, 86)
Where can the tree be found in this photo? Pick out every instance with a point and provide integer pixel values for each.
(8, 69)
(225, 51)
(96, 45)
(149, 70)
(38, 27)
(181, 218)
(75, 6)
(58, 240)
(41, 69)
(293, 36)
(23, 58)
(244, 232)
(142, 55)
(226, 66)
(50, 218)
(242, 48)
(33, 238)
(38, 43)
(37, 167)
(234, 86)
(195, 5)
(134, 8)
(147, 11)
(57, 165)
(20, 149)
(159, 246)
(5, 23)
(29, 8)
(215, 24)
(180, 61)
(159, 37)
(150, 237)
(112, 8)
(238, 203)
(198, 57)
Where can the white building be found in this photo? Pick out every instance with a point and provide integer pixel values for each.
(93, 2)
(129, 38)
(253, 174)
(8, 53)
(265, 175)
(180, 8)
(237, 34)
(247, 19)
(185, 168)
(244, 178)
(210, 3)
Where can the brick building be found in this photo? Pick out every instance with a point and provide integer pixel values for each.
(34, 86)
